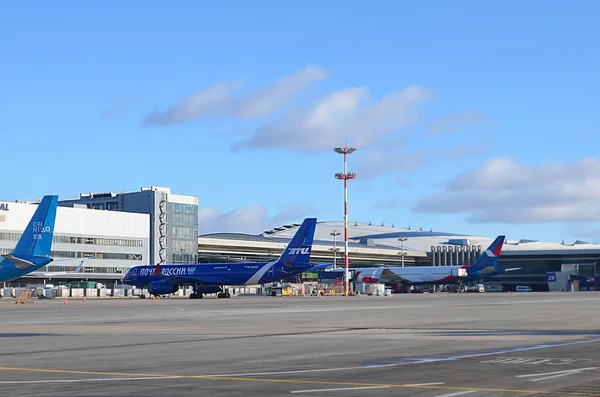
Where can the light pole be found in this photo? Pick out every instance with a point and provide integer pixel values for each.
(345, 176)
(402, 240)
(335, 233)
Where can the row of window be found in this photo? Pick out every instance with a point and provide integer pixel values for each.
(183, 258)
(183, 219)
(189, 208)
(183, 245)
(96, 255)
(85, 255)
(188, 233)
(119, 242)
(88, 269)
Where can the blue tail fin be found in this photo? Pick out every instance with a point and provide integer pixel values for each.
(298, 250)
(490, 257)
(33, 248)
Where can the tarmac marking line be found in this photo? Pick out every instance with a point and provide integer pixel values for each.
(457, 393)
(304, 371)
(556, 374)
(339, 389)
(299, 381)
(75, 372)
(424, 384)
(27, 382)
(175, 307)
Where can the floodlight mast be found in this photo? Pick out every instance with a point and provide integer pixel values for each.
(402, 240)
(335, 233)
(345, 176)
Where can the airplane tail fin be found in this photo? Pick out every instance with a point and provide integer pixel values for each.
(78, 268)
(490, 257)
(33, 248)
(298, 250)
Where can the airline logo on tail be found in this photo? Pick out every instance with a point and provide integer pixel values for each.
(300, 251)
(39, 229)
(493, 254)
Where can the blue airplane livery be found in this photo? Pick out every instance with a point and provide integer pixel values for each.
(33, 248)
(210, 278)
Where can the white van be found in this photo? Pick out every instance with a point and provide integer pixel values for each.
(523, 288)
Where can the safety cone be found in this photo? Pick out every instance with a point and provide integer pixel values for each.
(153, 297)
(65, 302)
(85, 300)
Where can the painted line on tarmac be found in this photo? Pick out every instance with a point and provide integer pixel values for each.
(175, 307)
(457, 393)
(417, 360)
(555, 374)
(29, 382)
(75, 372)
(313, 370)
(308, 382)
(425, 384)
(339, 389)
(528, 348)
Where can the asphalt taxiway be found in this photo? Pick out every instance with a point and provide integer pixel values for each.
(430, 345)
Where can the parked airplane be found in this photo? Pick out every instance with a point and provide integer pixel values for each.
(33, 248)
(49, 275)
(486, 266)
(210, 278)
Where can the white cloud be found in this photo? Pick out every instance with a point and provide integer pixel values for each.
(338, 116)
(200, 104)
(507, 191)
(376, 162)
(267, 100)
(223, 99)
(457, 121)
(379, 161)
(252, 219)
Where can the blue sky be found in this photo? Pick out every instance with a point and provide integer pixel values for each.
(471, 117)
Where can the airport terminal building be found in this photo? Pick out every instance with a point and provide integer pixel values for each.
(112, 232)
(378, 245)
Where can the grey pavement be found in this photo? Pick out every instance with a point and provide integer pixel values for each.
(430, 345)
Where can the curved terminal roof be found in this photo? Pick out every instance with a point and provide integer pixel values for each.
(422, 240)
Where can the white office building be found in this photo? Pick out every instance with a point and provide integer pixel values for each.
(108, 242)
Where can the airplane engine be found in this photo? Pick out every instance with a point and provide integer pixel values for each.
(161, 288)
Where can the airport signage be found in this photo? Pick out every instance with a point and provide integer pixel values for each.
(3, 206)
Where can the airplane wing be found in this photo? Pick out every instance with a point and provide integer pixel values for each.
(512, 269)
(389, 277)
(54, 274)
(317, 267)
